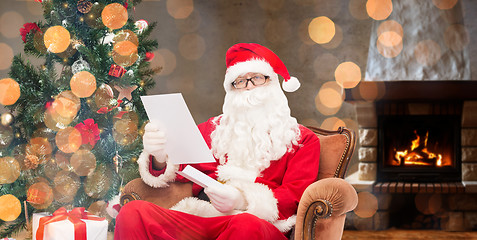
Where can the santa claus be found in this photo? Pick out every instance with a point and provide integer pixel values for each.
(264, 159)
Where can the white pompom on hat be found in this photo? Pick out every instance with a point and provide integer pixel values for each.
(243, 58)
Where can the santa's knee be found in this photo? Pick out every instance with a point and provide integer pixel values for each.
(248, 224)
(131, 214)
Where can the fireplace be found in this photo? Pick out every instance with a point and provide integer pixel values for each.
(419, 148)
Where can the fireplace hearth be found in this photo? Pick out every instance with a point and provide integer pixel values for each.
(419, 148)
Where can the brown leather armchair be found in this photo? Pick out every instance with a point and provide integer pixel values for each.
(323, 206)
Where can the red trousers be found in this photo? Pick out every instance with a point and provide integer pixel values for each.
(142, 220)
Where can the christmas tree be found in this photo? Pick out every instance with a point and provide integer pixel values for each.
(73, 132)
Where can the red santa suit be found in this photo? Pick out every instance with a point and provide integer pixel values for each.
(271, 195)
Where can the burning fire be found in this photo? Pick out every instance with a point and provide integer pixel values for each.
(418, 154)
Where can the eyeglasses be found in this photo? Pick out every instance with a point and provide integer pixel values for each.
(256, 80)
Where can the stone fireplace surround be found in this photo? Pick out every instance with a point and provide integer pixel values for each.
(460, 210)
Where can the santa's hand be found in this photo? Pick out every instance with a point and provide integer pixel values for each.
(225, 198)
(154, 141)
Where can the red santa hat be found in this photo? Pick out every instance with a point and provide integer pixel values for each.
(243, 58)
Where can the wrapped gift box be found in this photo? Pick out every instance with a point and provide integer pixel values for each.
(96, 228)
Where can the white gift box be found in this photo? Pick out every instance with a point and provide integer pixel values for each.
(64, 230)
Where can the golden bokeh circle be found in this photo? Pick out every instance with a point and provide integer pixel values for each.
(379, 9)
(66, 104)
(68, 140)
(427, 52)
(445, 4)
(40, 195)
(9, 170)
(348, 74)
(332, 123)
(390, 26)
(180, 9)
(367, 205)
(166, 60)
(321, 29)
(9, 91)
(114, 16)
(97, 184)
(10, 22)
(389, 52)
(10, 208)
(6, 136)
(83, 84)
(83, 162)
(357, 9)
(66, 185)
(57, 39)
(456, 37)
(192, 46)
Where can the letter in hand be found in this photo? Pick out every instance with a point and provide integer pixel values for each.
(154, 141)
(225, 198)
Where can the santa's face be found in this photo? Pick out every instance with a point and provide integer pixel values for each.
(255, 127)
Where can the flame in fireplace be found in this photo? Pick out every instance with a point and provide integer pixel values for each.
(418, 154)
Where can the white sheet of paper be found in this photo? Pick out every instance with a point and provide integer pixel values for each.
(185, 143)
(199, 177)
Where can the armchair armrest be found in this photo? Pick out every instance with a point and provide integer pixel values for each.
(165, 197)
(322, 209)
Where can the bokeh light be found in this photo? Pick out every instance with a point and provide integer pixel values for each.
(189, 24)
(367, 205)
(390, 26)
(456, 37)
(56, 39)
(348, 74)
(357, 9)
(114, 16)
(10, 22)
(83, 162)
(379, 9)
(192, 46)
(389, 50)
(9, 91)
(428, 203)
(66, 185)
(336, 40)
(165, 59)
(321, 30)
(6, 57)
(83, 84)
(332, 123)
(310, 122)
(370, 91)
(180, 9)
(427, 52)
(66, 104)
(34, 8)
(271, 5)
(329, 99)
(10, 207)
(41, 146)
(323, 8)
(9, 170)
(40, 195)
(68, 140)
(444, 4)
(278, 30)
(6, 136)
(98, 183)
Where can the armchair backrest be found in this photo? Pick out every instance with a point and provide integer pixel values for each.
(336, 150)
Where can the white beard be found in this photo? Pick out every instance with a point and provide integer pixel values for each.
(255, 128)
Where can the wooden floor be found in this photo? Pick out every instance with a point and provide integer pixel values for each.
(408, 235)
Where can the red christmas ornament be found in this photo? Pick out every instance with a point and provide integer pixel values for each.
(149, 56)
(38, 1)
(27, 28)
(104, 110)
(89, 131)
(116, 70)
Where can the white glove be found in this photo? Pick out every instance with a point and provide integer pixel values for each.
(154, 141)
(226, 198)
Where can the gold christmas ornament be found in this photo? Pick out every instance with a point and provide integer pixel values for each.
(57, 39)
(83, 84)
(7, 119)
(31, 161)
(9, 170)
(114, 16)
(9, 91)
(10, 208)
(84, 6)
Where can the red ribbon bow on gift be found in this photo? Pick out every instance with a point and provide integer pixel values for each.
(74, 216)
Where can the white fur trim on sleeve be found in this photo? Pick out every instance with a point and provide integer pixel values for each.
(260, 199)
(286, 224)
(159, 181)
